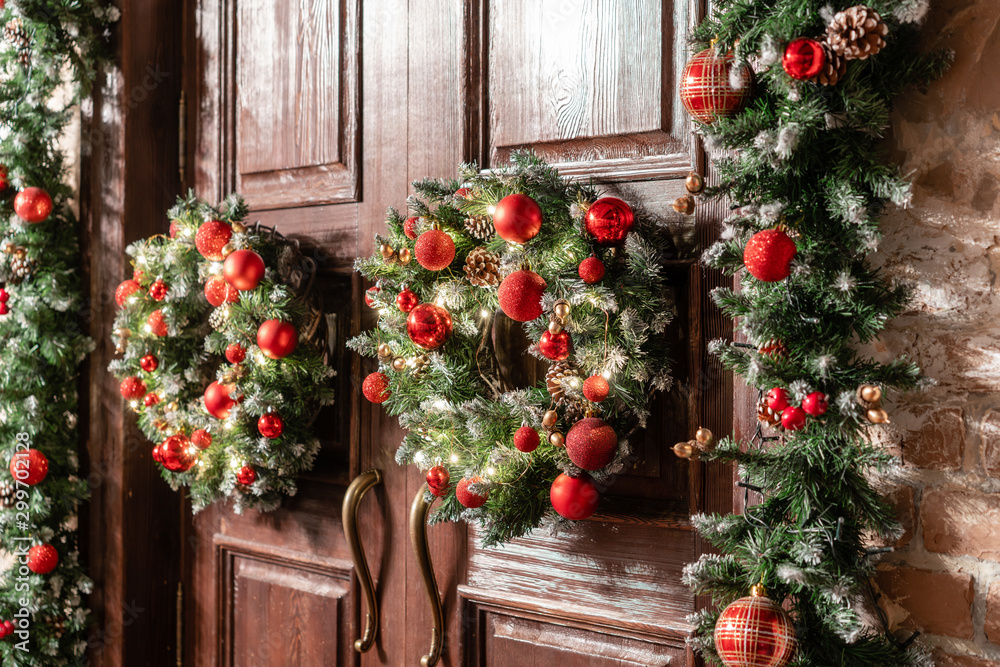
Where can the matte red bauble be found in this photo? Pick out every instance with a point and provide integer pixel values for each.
(149, 363)
(556, 347)
(574, 498)
(33, 205)
(235, 353)
(201, 439)
(434, 250)
(520, 295)
(526, 439)
(407, 300)
(132, 388)
(517, 218)
(777, 399)
(793, 418)
(468, 498)
(42, 558)
(804, 58)
(246, 476)
(410, 227)
(706, 89)
(428, 326)
(29, 466)
(156, 325)
(755, 632)
(596, 388)
(438, 481)
(218, 291)
(815, 404)
(271, 425)
(158, 290)
(211, 237)
(609, 220)
(277, 339)
(376, 388)
(125, 290)
(370, 296)
(176, 454)
(769, 254)
(218, 400)
(591, 443)
(243, 269)
(150, 400)
(591, 270)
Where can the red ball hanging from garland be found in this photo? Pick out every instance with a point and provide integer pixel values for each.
(706, 87)
(243, 269)
(246, 476)
(769, 254)
(29, 466)
(555, 346)
(4, 182)
(211, 237)
(517, 218)
(218, 400)
(609, 220)
(235, 353)
(574, 498)
(467, 497)
(176, 454)
(149, 363)
(793, 418)
(218, 291)
(407, 300)
(132, 388)
(520, 295)
(138, 275)
(755, 632)
(158, 290)
(815, 404)
(410, 227)
(271, 425)
(596, 388)
(526, 439)
(591, 270)
(201, 439)
(438, 481)
(376, 388)
(125, 290)
(156, 325)
(150, 400)
(370, 296)
(175, 228)
(429, 326)
(803, 59)
(434, 250)
(277, 339)
(157, 457)
(591, 443)
(4, 309)
(33, 205)
(42, 558)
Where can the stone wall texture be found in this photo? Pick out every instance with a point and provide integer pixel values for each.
(943, 579)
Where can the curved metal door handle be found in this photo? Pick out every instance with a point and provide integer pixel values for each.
(352, 499)
(418, 536)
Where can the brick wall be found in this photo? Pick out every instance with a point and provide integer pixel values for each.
(944, 577)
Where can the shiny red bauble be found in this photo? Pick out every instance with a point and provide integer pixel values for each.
(410, 227)
(277, 339)
(815, 404)
(596, 388)
(132, 388)
(370, 296)
(777, 399)
(609, 220)
(4, 309)
(235, 353)
(157, 326)
(158, 290)
(42, 558)
(174, 229)
(376, 388)
(591, 444)
(243, 269)
(150, 400)
(29, 466)
(33, 205)
(218, 291)
(517, 218)
(125, 290)
(201, 439)
(793, 418)
(434, 250)
(429, 326)
(149, 363)
(407, 300)
(271, 425)
(755, 632)
(526, 439)
(768, 255)
(211, 237)
(4, 182)
(4, 295)
(706, 87)
(468, 498)
(520, 295)
(574, 498)
(246, 476)
(156, 454)
(438, 481)
(176, 454)
(591, 270)
(556, 347)
(218, 400)
(803, 59)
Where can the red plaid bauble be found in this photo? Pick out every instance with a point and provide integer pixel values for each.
(706, 87)
(755, 632)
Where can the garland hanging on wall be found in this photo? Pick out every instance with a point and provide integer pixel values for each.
(223, 357)
(808, 189)
(48, 59)
(475, 257)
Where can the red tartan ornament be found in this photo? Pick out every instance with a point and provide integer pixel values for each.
(468, 498)
(376, 388)
(609, 220)
(271, 425)
(755, 632)
(429, 326)
(125, 290)
(434, 250)
(42, 558)
(706, 87)
(769, 254)
(438, 481)
(175, 228)
(555, 346)
(29, 466)
(574, 498)
(210, 239)
(520, 295)
(591, 270)
(517, 218)
(246, 476)
(804, 58)
(33, 205)
(526, 439)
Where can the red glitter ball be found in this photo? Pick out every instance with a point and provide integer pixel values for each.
(132, 388)
(438, 481)
(33, 205)
(596, 388)
(609, 220)
(376, 388)
(803, 59)
(517, 218)
(271, 425)
(210, 239)
(42, 558)
(235, 353)
(125, 290)
(468, 498)
(149, 363)
(434, 250)
(410, 227)
(201, 439)
(429, 326)
(407, 300)
(591, 270)
(156, 325)
(755, 632)
(246, 476)
(574, 498)
(520, 295)
(769, 254)
(591, 443)
(158, 290)
(556, 347)
(706, 91)
(815, 404)
(29, 466)
(526, 439)
(150, 400)
(793, 418)
(218, 291)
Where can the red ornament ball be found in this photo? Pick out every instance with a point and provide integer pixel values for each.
(29, 466)
(609, 220)
(815, 404)
(211, 237)
(755, 632)
(777, 399)
(520, 295)
(4, 182)
(149, 363)
(526, 439)
(218, 291)
(150, 400)
(218, 400)
(574, 498)
(434, 250)
(370, 296)
(376, 388)
(4, 309)
(429, 326)
(596, 388)
(463, 192)
(410, 227)
(7, 627)
(176, 454)
(517, 218)
(235, 353)
(246, 476)
(438, 481)
(33, 205)
(243, 269)
(407, 300)
(138, 275)
(591, 270)
(769, 254)
(132, 388)
(158, 290)
(706, 89)
(804, 58)
(125, 290)
(156, 325)
(42, 558)
(175, 227)
(201, 439)
(277, 339)
(271, 425)
(468, 498)
(556, 347)
(793, 418)
(4, 295)
(157, 456)
(591, 443)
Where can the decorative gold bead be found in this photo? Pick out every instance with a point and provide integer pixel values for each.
(399, 364)
(869, 393)
(160, 425)
(239, 227)
(557, 439)
(758, 591)
(20, 253)
(386, 251)
(684, 450)
(878, 416)
(694, 183)
(384, 351)
(173, 406)
(7, 247)
(405, 255)
(703, 436)
(561, 308)
(684, 205)
(550, 418)
(555, 326)
(228, 250)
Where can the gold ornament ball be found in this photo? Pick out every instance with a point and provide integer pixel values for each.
(550, 418)
(123, 333)
(386, 250)
(405, 255)
(684, 450)
(555, 327)
(561, 309)
(228, 250)
(239, 227)
(878, 416)
(870, 393)
(557, 439)
(684, 205)
(20, 253)
(384, 350)
(694, 183)
(399, 364)
(703, 436)
(173, 406)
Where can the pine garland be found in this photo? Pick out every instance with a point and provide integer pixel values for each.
(48, 60)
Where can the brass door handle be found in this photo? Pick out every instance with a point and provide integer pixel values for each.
(352, 499)
(418, 536)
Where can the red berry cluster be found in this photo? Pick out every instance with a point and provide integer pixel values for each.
(6, 629)
(793, 417)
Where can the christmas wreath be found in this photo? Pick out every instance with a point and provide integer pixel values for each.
(220, 336)
(583, 274)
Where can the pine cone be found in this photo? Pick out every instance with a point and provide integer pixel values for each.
(6, 494)
(480, 227)
(774, 348)
(482, 267)
(856, 33)
(833, 70)
(58, 625)
(559, 372)
(20, 269)
(765, 414)
(218, 318)
(15, 33)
